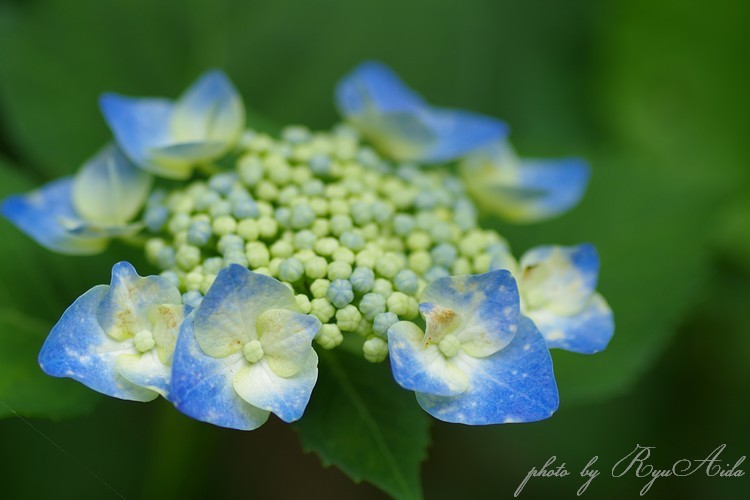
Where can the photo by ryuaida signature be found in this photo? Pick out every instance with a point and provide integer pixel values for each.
(363, 237)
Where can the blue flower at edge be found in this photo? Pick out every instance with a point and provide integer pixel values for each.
(524, 190)
(118, 339)
(244, 353)
(479, 362)
(402, 125)
(79, 215)
(558, 288)
(169, 138)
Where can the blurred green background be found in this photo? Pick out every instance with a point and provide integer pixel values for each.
(654, 93)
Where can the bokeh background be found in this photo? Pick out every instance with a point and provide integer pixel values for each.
(653, 92)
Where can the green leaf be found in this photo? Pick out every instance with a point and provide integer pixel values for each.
(362, 422)
(24, 388)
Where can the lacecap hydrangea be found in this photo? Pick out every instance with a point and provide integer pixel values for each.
(267, 249)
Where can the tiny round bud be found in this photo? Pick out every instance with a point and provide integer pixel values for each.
(329, 336)
(383, 322)
(199, 232)
(362, 279)
(326, 246)
(340, 293)
(322, 309)
(225, 224)
(450, 345)
(339, 270)
(389, 265)
(398, 303)
(253, 351)
(375, 349)
(418, 240)
(267, 227)
(282, 249)
(371, 305)
(188, 257)
(303, 303)
(348, 318)
(144, 341)
(352, 240)
(319, 288)
(302, 216)
(383, 287)
(257, 254)
(444, 254)
(291, 270)
(406, 281)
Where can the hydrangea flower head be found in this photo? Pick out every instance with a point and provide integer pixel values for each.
(169, 138)
(80, 214)
(245, 352)
(520, 189)
(402, 125)
(118, 339)
(479, 361)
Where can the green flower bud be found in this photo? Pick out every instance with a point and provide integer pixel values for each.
(398, 304)
(383, 287)
(329, 336)
(319, 288)
(389, 265)
(188, 256)
(322, 309)
(371, 305)
(303, 303)
(282, 249)
(267, 227)
(316, 267)
(257, 254)
(290, 270)
(342, 254)
(375, 349)
(348, 318)
(339, 270)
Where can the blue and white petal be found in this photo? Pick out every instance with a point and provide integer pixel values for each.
(210, 111)
(78, 348)
(480, 310)
(109, 190)
(587, 332)
(139, 125)
(516, 384)
(286, 337)
(559, 279)
(286, 397)
(419, 368)
(400, 123)
(170, 138)
(202, 385)
(48, 217)
(524, 190)
(145, 370)
(226, 318)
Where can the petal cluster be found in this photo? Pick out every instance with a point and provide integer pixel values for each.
(80, 214)
(245, 353)
(479, 361)
(401, 124)
(169, 138)
(118, 339)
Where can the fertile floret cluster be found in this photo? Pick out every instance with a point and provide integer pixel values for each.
(356, 237)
